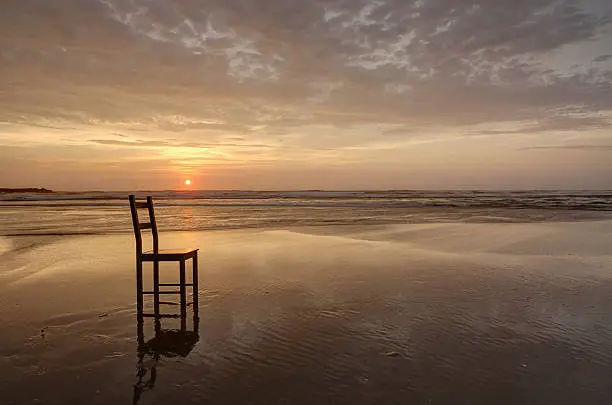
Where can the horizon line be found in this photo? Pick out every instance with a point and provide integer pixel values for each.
(316, 190)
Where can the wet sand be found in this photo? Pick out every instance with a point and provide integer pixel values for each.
(423, 314)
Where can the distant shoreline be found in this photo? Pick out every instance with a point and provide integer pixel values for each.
(26, 190)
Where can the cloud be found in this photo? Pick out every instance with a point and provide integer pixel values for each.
(264, 69)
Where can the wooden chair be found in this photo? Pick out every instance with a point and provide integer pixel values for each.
(156, 255)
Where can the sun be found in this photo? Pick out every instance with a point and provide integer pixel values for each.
(187, 182)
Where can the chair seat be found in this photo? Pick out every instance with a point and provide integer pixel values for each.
(168, 255)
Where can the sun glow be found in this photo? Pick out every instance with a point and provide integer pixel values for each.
(187, 182)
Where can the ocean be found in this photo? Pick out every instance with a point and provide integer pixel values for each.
(66, 213)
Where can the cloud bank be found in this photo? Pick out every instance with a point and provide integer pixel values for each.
(316, 75)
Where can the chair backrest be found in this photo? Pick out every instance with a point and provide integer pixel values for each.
(139, 226)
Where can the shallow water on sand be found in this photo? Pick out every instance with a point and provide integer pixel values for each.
(424, 314)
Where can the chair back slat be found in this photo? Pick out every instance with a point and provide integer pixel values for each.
(153, 224)
(139, 226)
(136, 225)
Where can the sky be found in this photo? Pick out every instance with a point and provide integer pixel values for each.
(298, 94)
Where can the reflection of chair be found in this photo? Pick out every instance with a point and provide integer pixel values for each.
(156, 256)
(165, 343)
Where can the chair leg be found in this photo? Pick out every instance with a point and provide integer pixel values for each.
(156, 287)
(183, 292)
(139, 300)
(194, 281)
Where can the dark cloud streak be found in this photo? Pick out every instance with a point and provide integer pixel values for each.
(584, 148)
(165, 144)
(603, 58)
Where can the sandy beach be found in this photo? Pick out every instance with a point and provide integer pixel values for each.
(504, 313)
(395, 202)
